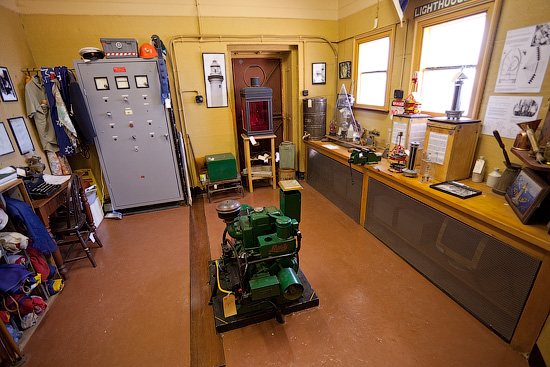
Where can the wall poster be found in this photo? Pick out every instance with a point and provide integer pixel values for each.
(505, 112)
(524, 60)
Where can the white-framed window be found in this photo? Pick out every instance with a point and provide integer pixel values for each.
(373, 60)
(445, 46)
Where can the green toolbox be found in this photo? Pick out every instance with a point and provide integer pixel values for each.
(221, 167)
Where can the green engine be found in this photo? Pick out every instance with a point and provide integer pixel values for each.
(259, 268)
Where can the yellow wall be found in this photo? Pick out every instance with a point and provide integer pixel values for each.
(358, 25)
(15, 55)
(211, 130)
(52, 40)
(514, 15)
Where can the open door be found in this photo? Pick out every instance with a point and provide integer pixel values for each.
(268, 70)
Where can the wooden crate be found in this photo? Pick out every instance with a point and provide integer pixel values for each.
(413, 128)
(459, 147)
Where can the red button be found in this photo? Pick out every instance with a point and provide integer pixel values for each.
(131, 125)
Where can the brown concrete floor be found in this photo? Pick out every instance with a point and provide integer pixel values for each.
(375, 310)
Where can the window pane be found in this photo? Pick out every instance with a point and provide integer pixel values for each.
(451, 44)
(438, 89)
(372, 89)
(373, 55)
(456, 42)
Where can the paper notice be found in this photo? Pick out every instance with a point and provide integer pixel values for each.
(437, 145)
(398, 127)
(505, 112)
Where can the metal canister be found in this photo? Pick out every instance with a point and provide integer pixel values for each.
(315, 117)
(287, 155)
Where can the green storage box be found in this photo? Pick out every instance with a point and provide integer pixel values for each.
(221, 167)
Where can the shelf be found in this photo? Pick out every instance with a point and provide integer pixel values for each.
(213, 187)
(248, 160)
(28, 332)
(529, 161)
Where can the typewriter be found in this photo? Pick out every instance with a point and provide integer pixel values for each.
(40, 189)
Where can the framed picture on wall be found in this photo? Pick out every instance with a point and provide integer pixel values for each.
(6, 86)
(215, 80)
(21, 134)
(526, 194)
(345, 70)
(5, 142)
(319, 73)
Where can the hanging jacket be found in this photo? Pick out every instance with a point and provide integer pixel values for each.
(81, 115)
(65, 145)
(38, 110)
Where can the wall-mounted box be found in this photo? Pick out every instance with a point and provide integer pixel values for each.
(119, 47)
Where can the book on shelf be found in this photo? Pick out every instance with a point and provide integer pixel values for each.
(7, 174)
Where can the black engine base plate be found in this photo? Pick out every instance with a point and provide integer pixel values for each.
(309, 299)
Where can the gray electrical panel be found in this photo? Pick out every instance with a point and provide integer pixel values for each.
(134, 140)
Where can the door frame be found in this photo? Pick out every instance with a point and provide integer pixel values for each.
(288, 56)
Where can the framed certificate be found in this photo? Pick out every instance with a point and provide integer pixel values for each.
(5, 142)
(21, 134)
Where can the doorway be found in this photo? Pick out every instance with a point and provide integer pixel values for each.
(268, 70)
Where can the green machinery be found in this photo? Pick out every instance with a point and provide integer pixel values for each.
(258, 276)
(363, 156)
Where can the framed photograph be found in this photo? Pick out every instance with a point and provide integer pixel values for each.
(526, 194)
(21, 133)
(345, 70)
(215, 80)
(319, 73)
(5, 142)
(456, 189)
(6, 86)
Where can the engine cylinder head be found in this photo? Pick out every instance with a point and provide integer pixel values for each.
(228, 210)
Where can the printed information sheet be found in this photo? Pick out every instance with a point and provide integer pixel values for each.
(524, 60)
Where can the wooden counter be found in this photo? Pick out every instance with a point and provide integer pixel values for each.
(488, 213)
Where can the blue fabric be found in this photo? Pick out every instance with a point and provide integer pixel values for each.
(61, 75)
(12, 277)
(83, 121)
(53, 271)
(23, 213)
(65, 146)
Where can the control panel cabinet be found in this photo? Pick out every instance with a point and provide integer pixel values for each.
(134, 137)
